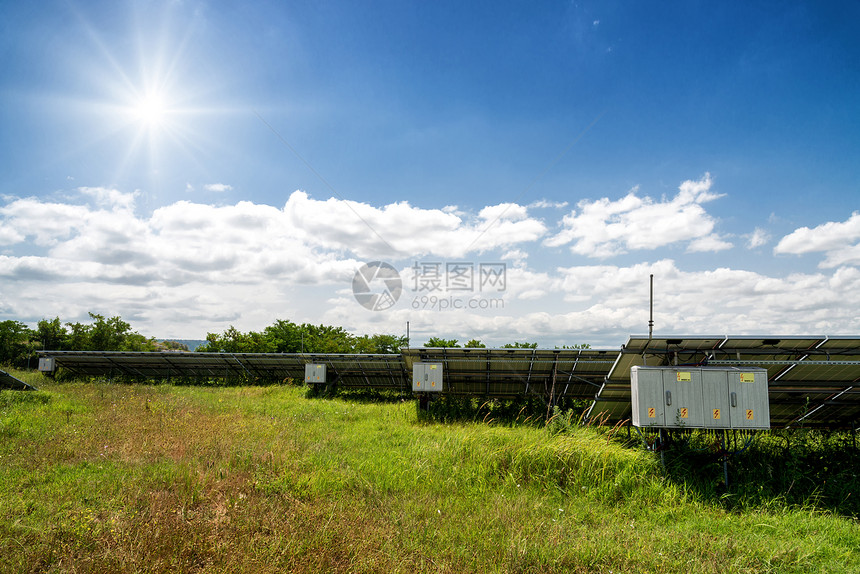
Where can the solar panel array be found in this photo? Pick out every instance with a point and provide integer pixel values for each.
(347, 370)
(510, 373)
(813, 381)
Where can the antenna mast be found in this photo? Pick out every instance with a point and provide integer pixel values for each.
(651, 317)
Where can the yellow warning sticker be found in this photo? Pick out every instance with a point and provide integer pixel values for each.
(716, 414)
(749, 414)
(652, 413)
(433, 367)
(684, 413)
(747, 377)
(684, 377)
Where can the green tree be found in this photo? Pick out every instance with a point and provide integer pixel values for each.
(518, 345)
(475, 344)
(284, 336)
(385, 344)
(234, 341)
(439, 342)
(51, 334)
(79, 337)
(15, 345)
(108, 334)
(388, 343)
(327, 339)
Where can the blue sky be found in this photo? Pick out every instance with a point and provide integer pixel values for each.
(192, 165)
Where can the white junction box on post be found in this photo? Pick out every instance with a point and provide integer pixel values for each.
(700, 397)
(426, 377)
(315, 373)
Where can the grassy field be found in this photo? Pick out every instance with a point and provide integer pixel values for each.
(132, 478)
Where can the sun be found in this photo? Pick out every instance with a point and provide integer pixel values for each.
(151, 110)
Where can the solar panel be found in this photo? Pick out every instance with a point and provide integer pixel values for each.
(8, 381)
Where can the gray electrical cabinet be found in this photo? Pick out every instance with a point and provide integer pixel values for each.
(748, 402)
(315, 373)
(699, 397)
(46, 364)
(426, 377)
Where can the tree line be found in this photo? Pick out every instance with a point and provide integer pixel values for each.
(19, 343)
(284, 336)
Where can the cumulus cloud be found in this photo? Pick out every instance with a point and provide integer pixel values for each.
(189, 267)
(603, 304)
(71, 251)
(603, 228)
(840, 241)
(400, 230)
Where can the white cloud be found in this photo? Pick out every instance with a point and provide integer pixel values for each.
(188, 268)
(543, 204)
(218, 187)
(110, 198)
(757, 238)
(604, 228)
(840, 241)
(400, 230)
(710, 243)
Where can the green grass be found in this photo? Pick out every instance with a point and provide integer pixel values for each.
(135, 478)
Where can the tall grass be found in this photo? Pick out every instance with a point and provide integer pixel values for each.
(121, 478)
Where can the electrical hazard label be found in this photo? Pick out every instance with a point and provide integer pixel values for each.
(652, 413)
(749, 414)
(716, 414)
(684, 413)
(684, 377)
(747, 377)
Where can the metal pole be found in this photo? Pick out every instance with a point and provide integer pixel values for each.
(407, 334)
(662, 450)
(651, 316)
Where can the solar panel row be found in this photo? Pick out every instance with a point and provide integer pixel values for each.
(812, 381)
